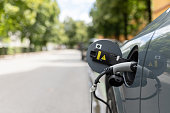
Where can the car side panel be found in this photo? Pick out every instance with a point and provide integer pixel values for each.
(130, 95)
(155, 96)
(128, 98)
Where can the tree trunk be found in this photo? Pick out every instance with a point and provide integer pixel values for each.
(117, 33)
(125, 26)
(30, 45)
(125, 19)
(148, 3)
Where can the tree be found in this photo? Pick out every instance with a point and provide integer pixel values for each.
(148, 4)
(76, 32)
(46, 21)
(116, 17)
(70, 30)
(91, 31)
(36, 20)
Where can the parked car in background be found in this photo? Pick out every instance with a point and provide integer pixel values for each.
(148, 90)
(84, 46)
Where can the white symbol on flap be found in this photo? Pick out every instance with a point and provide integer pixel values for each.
(98, 46)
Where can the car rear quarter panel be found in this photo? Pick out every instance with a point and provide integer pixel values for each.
(155, 94)
(128, 98)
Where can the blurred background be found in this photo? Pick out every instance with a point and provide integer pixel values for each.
(43, 46)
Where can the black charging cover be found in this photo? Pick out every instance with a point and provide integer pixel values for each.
(105, 45)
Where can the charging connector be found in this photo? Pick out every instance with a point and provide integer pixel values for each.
(112, 70)
(124, 67)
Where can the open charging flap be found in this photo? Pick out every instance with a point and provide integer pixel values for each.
(102, 54)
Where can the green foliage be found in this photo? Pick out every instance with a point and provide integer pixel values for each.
(36, 20)
(76, 32)
(117, 17)
(91, 31)
(14, 50)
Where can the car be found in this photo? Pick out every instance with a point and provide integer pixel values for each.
(148, 89)
(83, 48)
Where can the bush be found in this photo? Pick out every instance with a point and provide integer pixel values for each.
(14, 50)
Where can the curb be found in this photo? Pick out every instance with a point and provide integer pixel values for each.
(21, 55)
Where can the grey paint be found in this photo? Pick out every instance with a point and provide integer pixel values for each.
(158, 82)
(150, 91)
(130, 96)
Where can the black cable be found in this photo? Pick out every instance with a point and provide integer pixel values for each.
(98, 78)
(93, 89)
(107, 70)
(94, 93)
(91, 102)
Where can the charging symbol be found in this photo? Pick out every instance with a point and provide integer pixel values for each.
(104, 57)
(99, 54)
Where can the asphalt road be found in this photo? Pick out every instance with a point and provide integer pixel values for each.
(49, 82)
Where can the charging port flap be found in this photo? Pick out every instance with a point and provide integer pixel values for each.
(102, 54)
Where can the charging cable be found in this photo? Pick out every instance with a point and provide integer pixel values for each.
(112, 70)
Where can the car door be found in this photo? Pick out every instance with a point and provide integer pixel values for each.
(155, 94)
(128, 96)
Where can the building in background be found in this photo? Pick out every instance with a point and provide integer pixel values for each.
(158, 7)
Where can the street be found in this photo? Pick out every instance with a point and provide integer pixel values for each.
(47, 82)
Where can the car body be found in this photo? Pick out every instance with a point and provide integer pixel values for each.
(148, 90)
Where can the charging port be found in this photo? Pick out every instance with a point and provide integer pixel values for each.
(133, 56)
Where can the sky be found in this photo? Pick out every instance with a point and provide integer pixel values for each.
(77, 9)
